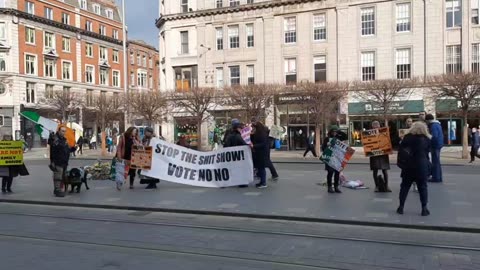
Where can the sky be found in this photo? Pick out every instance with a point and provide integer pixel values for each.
(141, 16)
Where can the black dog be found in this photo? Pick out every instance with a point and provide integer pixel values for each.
(75, 178)
(381, 184)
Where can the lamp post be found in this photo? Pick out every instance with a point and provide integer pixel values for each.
(125, 71)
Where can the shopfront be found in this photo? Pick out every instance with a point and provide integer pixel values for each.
(450, 117)
(187, 127)
(362, 114)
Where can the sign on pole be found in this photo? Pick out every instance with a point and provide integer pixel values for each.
(11, 153)
(376, 142)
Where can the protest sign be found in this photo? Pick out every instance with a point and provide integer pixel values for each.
(376, 142)
(231, 166)
(337, 154)
(141, 157)
(11, 153)
(246, 134)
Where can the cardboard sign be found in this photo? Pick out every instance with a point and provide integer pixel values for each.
(11, 153)
(376, 142)
(337, 154)
(141, 157)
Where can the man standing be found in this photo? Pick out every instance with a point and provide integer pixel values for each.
(437, 144)
(475, 144)
(310, 145)
(59, 156)
(422, 115)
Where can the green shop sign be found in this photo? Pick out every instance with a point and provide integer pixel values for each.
(453, 105)
(397, 107)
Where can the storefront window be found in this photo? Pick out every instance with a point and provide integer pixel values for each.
(187, 128)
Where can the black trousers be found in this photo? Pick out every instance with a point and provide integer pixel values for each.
(405, 188)
(7, 183)
(272, 169)
(473, 152)
(331, 173)
(310, 148)
(131, 173)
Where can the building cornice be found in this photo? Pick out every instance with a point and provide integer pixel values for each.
(27, 16)
(225, 10)
(144, 45)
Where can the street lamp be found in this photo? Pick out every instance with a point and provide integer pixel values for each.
(125, 73)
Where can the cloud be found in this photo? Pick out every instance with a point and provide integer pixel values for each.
(141, 16)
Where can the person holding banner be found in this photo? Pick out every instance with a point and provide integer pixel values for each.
(259, 138)
(9, 172)
(124, 151)
(377, 163)
(331, 172)
(152, 182)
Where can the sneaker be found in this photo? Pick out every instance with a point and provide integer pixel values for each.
(275, 179)
(261, 186)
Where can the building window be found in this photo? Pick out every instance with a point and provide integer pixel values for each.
(368, 21)
(30, 92)
(109, 13)
(144, 61)
(368, 66)
(219, 77)
(102, 30)
(476, 58)
(403, 17)
(132, 78)
(475, 8)
(103, 76)
(185, 78)
(3, 31)
(150, 81)
(234, 3)
(320, 69)
(30, 35)
(249, 1)
(89, 74)
(290, 71)
(96, 9)
(66, 70)
(233, 37)
(3, 62)
(139, 60)
(454, 13)
(116, 78)
(89, 26)
(184, 5)
(234, 75)
(250, 75)
(50, 68)
(184, 41)
(219, 36)
(290, 28)
(250, 36)
(115, 34)
(65, 18)
(150, 62)
(142, 78)
(404, 68)
(30, 7)
(132, 58)
(49, 91)
(90, 98)
(319, 27)
(89, 49)
(103, 53)
(48, 13)
(454, 59)
(83, 4)
(49, 40)
(219, 3)
(66, 44)
(30, 64)
(115, 56)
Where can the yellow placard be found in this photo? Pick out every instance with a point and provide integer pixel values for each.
(11, 153)
(376, 142)
(141, 157)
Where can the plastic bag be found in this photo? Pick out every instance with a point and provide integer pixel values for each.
(119, 173)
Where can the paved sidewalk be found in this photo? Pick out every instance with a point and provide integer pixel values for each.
(297, 195)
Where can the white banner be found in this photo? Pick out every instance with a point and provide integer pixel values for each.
(226, 167)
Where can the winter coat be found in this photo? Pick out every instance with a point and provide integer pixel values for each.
(437, 134)
(419, 146)
(476, 139)
(122, 152)
(260, 149)
(59, 151)
(234, 138)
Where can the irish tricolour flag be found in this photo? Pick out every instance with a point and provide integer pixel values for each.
(45, 126)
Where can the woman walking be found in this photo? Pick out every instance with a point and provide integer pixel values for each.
(331, 172)
(260, 146)
(416, 145)
(124, 150)
(380, 163)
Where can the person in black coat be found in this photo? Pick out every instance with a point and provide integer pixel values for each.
(9, 172)
(417, 143)
(331, 172)
(260, 153)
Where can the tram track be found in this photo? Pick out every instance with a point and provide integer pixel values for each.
(249, 231)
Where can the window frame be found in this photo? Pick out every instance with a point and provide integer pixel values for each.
(115, 33)
(368, 25)
(219, 79)
(49, 91)
(109, 13)
(102, 30)
(115, 56)
(368, 75)
(3, 62)
(234, 3)
(219, 38)
(31, 94)
(53, 68)
(184, 46)
(97, 9)
(250, 74)
(403, 24)
(89, 26)
(83, 4)
(236, 78)
(250, 37)
(48, 12)
(290, 36)
(92, 75)
(456, 54)
(106, 74)
(65, 18)
(103, 51)
(70, 70)
(475, 11)
(317, 61)
(404, 73)
(140, 76)
(30, 7)
(64, 48)
(288, 72)
(219, 3)
(89, 48)
(52, 40)
(183, 6)
(476, 58)
(233, 36)
(117, 84)
(27, 38)
(321, 28)
(453, 10)
(34, 64)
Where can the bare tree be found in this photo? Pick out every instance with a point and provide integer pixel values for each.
(152, 106)
(197, 102)
(464, 88)
(64, 103)
(107, 109)
(384, 94)
(252, 99)
(321, 101)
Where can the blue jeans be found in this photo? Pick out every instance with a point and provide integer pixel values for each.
(436, 166)
(262, 173)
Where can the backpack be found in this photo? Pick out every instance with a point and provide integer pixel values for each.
(405, 158)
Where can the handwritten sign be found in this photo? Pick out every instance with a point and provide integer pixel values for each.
(141, 157)
(11, 153)
(376, 142)
(246, 134)
(337, 154)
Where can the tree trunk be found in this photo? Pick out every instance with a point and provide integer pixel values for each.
(318, 139)
(199, 133)
(103, 135)
(465, 153)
